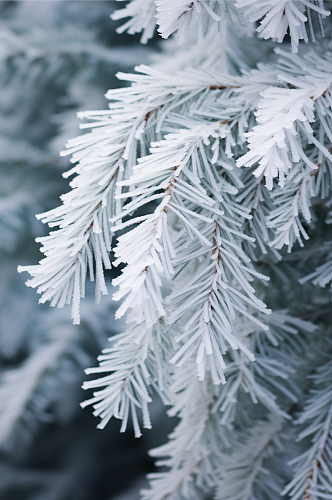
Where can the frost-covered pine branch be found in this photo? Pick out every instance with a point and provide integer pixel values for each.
(85, 234)
(142, 18)
(190, 186)
(199, 447)
(171, 16)
(137, 364)
(277, 18)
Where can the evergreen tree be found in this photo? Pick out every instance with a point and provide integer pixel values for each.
(209, 178)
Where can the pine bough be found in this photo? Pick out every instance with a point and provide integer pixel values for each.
(207, 177)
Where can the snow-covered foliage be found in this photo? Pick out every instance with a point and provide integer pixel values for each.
(194, 186)
(278, 17)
